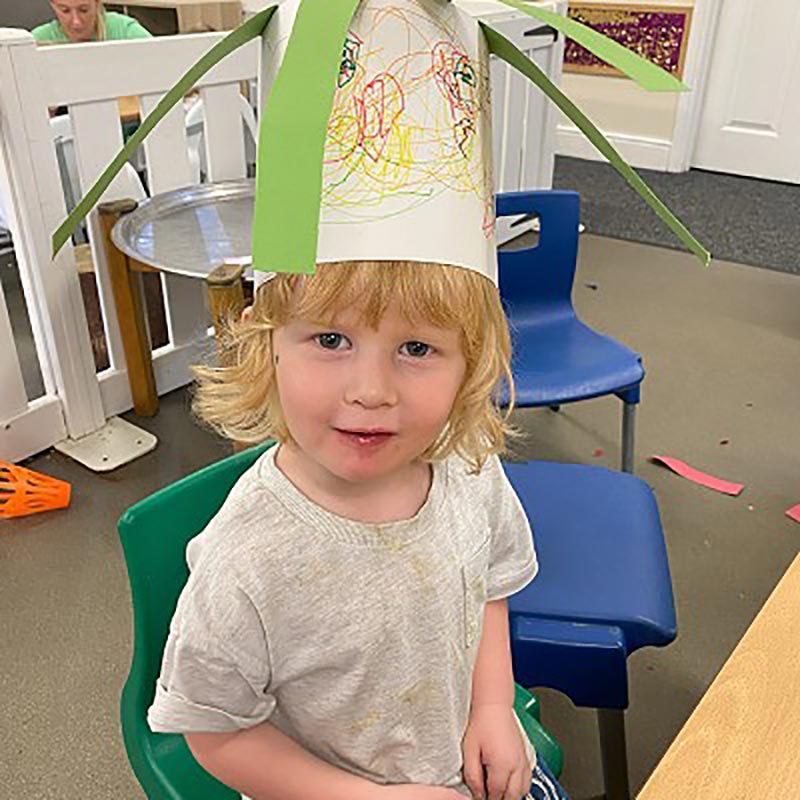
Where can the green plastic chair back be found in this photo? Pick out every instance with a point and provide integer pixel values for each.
(154, 536)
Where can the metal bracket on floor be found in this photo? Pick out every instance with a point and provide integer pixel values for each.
(118, 442)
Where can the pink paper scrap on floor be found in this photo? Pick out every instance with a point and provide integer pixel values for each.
(694, 475)
(794, 513)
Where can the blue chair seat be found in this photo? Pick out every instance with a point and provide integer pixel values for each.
(602, 592)
(601, 551)
(564, 360)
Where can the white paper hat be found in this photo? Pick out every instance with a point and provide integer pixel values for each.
(407, 170)
(407, 167)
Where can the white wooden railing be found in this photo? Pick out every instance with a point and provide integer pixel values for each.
(88, 80)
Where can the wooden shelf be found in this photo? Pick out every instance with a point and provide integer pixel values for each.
(165, 17)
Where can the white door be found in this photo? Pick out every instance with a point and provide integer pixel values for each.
(750, 123)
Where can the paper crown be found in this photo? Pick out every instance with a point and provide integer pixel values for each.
(378, 148)
(406, 168)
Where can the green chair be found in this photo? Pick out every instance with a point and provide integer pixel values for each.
(154, 536)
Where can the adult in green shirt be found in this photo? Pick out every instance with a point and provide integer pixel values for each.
(87, 21)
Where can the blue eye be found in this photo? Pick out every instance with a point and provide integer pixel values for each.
(416, 349)
(330, 341)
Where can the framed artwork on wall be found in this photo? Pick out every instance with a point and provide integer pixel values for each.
(659, 33)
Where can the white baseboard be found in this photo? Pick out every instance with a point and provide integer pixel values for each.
(638, 151)
(37, 428)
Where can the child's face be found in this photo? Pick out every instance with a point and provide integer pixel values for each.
(363, 404)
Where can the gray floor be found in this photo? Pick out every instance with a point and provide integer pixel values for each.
(721, 347)
(738, 219)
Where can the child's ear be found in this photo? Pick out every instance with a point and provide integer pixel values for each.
(247, 314)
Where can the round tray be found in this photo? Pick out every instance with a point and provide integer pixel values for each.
(193, 230)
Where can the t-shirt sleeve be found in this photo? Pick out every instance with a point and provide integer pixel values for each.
(512, 558)
(47, 32)
(135, 30)
(215, 673)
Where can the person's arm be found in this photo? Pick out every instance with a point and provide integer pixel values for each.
(48, 33)
(493, 678)
(122, 26)
(135, 30)
(493, 741)
(265, 764)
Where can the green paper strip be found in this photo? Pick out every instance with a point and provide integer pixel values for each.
(295, 121)
(648, 75)
(501, 47)
(235, 39)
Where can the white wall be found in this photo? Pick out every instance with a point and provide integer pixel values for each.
(24, 13)
(639, 123)
(254, 6)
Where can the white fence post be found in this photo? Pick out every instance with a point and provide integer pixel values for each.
(36, 206)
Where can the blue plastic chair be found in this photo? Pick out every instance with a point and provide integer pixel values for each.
(557, 358)
(602, 592)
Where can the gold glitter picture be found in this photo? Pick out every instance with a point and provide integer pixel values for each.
(658, 33)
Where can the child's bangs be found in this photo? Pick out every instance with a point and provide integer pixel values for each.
(438, 295)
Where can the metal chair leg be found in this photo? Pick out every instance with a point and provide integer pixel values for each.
(628, 424)
(611, 722)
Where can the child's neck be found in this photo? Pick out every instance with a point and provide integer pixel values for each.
(391, 498)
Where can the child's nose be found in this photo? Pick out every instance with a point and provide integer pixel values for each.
(371, 383)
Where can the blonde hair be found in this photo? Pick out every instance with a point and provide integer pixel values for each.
(239, 399)
(100, 31)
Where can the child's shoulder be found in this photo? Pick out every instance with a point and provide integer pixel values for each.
(461, 476)
(250, 527)
(468, 489)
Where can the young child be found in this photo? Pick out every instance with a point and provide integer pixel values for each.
(344, 631)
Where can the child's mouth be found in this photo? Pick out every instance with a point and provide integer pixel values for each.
(365, 438)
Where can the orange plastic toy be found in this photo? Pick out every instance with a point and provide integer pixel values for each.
(23, 491)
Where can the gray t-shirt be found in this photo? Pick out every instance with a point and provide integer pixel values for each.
(356, 640)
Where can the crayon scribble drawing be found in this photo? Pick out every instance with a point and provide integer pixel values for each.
(347, 70)
(405, 124)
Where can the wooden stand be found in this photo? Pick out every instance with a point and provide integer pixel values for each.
(130, 311)
(183, 16)
(225, 294)
(225, 297)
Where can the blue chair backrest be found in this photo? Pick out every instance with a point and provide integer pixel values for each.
(538, 280)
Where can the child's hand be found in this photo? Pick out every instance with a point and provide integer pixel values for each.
(417, 791)
(493, 742)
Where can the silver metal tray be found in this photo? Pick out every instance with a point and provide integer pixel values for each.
(191, 231)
